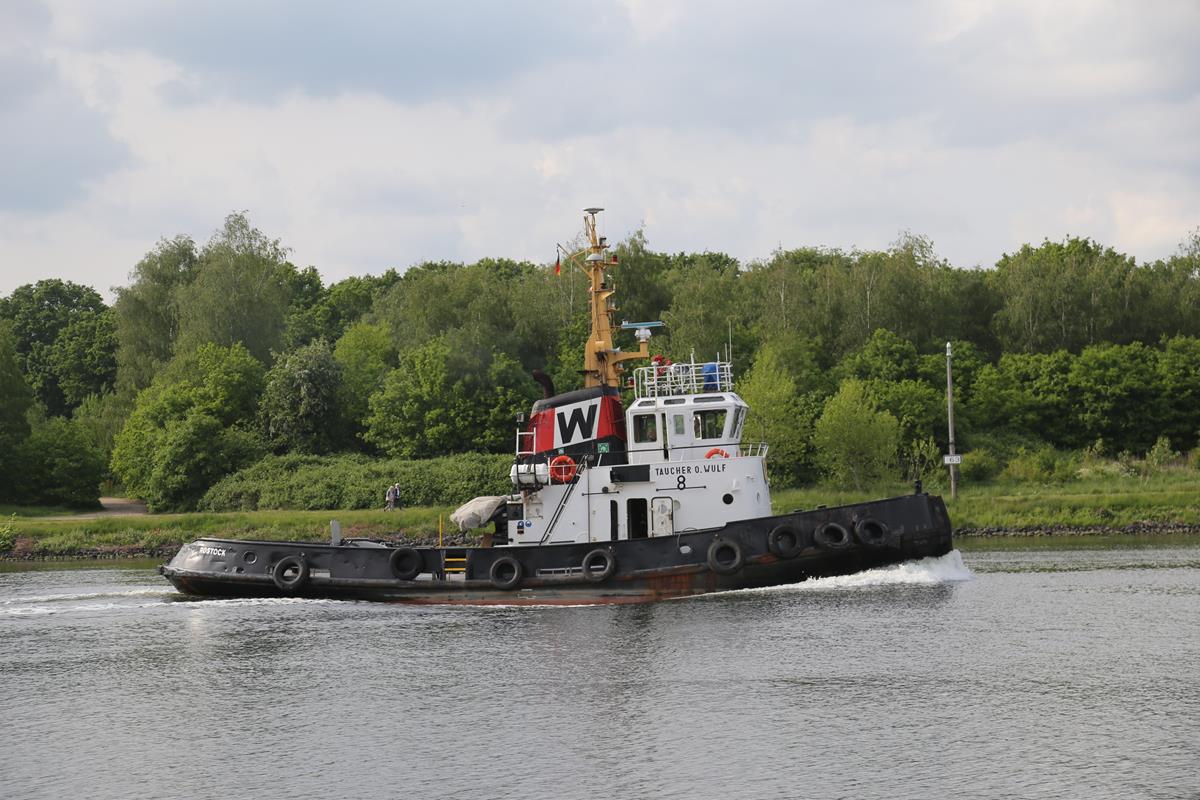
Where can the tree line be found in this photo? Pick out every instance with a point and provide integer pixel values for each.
(218, 355)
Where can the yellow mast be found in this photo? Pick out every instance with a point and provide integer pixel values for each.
(601, 361)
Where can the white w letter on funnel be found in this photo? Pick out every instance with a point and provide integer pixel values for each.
(576, 423)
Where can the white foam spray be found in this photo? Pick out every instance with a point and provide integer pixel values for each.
(921, 572)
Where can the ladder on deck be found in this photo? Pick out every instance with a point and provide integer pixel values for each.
(454, 562)
(563, 502)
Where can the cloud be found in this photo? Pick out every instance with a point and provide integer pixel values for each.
(51, 143)
(412, 51)
(377, 136)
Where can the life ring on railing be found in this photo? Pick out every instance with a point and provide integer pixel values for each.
(716, 451)
(562, 469)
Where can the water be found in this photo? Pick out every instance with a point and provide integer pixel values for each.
(1044, 674)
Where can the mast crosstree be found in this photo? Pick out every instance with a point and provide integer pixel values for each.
(602, 361)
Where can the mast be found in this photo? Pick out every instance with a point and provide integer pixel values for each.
(601, 361)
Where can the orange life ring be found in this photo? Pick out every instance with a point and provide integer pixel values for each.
(562, 469)
(716, 451)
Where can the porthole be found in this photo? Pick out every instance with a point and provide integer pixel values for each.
(249, 557)
(727, 499)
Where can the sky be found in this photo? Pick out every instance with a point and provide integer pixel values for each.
(375, 135)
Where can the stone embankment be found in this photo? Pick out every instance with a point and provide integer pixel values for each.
(1134, 529)
(24, 550)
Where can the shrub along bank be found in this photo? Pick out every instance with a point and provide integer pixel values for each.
(312, 483)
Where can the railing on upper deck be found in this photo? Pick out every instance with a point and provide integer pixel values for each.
(690, 378)
(697, 451)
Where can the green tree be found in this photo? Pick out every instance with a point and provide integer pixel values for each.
(147, 311)
(15, 400)
(1063, 296)
(100, 418)
(885, 357)
(192, 425)
(84, 356)
(918, 407)
(301, 403)
(967, 363)
(781, 417)
(855, 443)
(241, 292)
(15, 394)
(1027, 393)
(452, 395)
(366, 355)
(1116, 396)
(704, 307)
(640, 276)
(1179, 379)
(39, 313)
(336, 308)
(59, 466)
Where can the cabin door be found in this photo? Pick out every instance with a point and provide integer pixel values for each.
(663, 514)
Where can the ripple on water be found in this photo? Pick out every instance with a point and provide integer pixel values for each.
(1032, 675)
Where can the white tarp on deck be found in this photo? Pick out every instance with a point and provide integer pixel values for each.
(474, 513)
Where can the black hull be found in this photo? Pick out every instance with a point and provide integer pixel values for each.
(769, 551)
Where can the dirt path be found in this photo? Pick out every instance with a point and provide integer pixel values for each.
(113, 507)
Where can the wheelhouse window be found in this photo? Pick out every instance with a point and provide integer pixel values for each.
(709, 424)
(645, 428)
(735, 428)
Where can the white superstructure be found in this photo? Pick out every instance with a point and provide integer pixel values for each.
(687, 468)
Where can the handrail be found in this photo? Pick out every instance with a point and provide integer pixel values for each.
(740, 450)
(562, 503)
(663, 380)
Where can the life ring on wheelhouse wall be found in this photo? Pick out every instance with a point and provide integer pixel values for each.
(716, 451)
(562, 469)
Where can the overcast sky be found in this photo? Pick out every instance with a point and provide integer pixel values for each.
(375, 135)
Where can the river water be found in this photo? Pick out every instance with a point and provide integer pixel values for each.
(1015, 674)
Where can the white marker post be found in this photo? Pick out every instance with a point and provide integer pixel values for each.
(952, 460)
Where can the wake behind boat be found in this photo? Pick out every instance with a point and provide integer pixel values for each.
(608, 504)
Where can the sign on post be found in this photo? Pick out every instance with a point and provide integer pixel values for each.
(954, 459)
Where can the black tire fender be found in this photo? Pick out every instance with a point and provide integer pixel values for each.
(602, 558)
(832, 536)
(870, 532)
(406, 563)
(294, 583)
(785, 541)
(506, 573)
(725, 556)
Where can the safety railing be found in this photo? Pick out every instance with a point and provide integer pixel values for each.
(663, 380)
(698, 451)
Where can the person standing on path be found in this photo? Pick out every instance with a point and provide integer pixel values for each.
(390, 497)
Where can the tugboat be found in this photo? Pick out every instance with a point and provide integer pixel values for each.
(661, 500)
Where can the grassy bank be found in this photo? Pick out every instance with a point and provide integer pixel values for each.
(1170, 498)
(156, 532)
(1111, 505)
